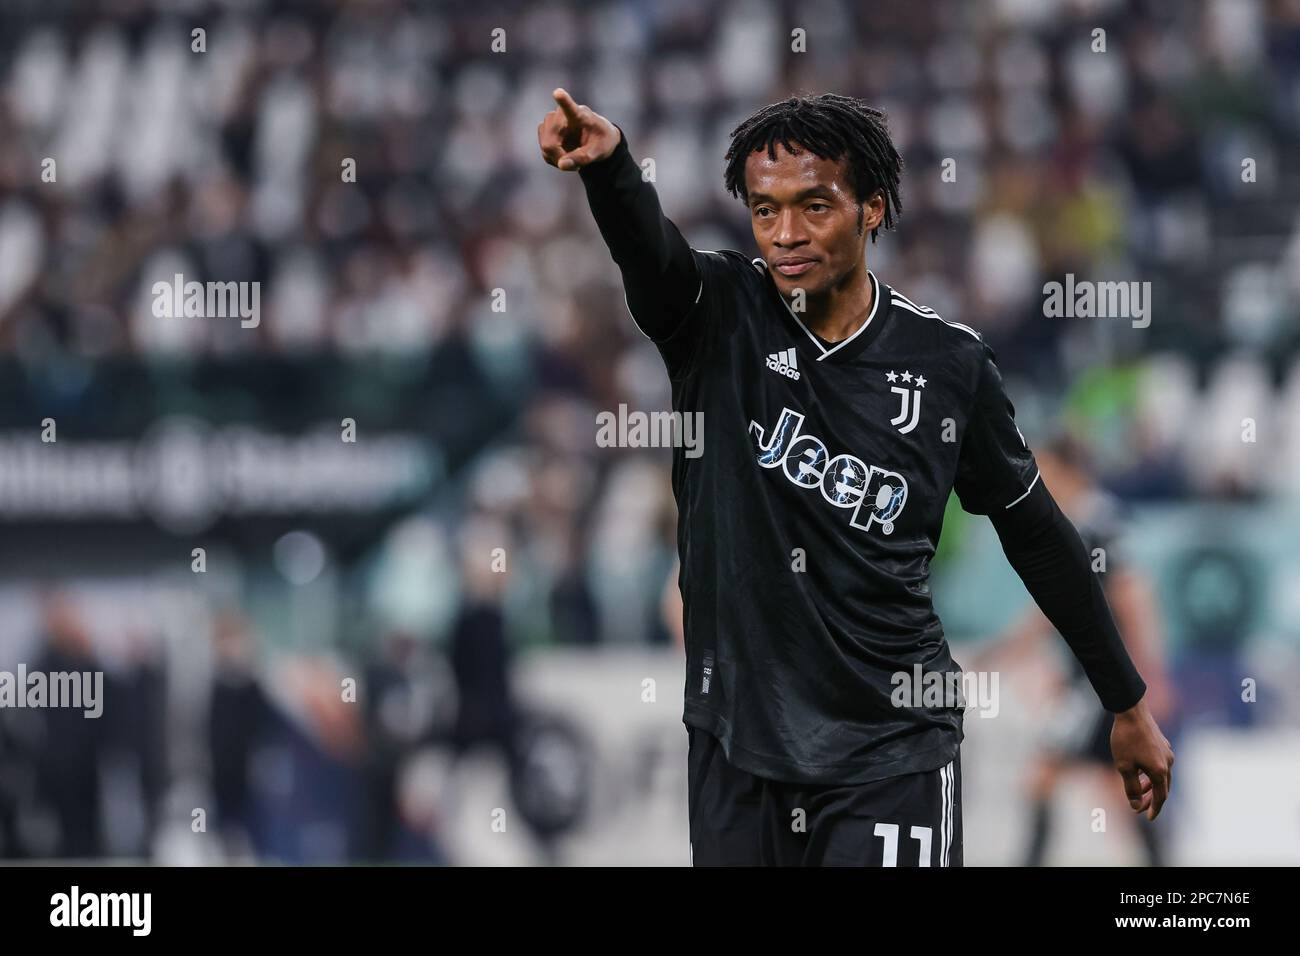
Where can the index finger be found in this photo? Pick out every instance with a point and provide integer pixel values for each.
(567, 105)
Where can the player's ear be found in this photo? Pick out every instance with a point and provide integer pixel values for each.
(875, 210)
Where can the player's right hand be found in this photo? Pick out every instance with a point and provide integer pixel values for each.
(573, 136)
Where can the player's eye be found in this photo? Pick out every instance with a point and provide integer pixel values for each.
(818, 207)
(760, 210)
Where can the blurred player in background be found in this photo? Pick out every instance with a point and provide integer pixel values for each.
(1077, 736)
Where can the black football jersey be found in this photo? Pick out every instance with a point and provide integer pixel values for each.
(808, 521)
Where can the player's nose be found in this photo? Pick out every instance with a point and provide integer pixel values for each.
(788, 231)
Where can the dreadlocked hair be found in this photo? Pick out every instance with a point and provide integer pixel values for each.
(831, 126)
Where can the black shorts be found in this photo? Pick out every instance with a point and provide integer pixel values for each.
(737, 819)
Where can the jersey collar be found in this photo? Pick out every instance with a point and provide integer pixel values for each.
(846, 349)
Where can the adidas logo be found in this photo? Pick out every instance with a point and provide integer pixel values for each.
(785, 363)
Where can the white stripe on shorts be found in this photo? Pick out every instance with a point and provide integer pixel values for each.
(947, 787)
(943, 813)
(952, 809)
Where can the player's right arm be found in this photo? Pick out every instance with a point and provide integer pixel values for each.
(661, 278)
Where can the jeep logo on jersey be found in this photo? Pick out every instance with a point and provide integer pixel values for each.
(876, 495)
(784, 362)
(910, 409)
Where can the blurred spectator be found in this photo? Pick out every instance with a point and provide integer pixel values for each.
(239, 717)
(69, 755)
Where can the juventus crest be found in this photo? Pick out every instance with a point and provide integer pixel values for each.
(910, 395)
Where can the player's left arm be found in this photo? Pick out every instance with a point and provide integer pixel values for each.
(1137, 612)
(1046, 550)
(998, 476)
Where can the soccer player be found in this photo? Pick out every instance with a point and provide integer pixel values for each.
(840, 416)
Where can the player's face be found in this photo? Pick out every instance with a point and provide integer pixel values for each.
(805, 219)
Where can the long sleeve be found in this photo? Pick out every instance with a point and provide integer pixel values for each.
(1046, 550)
(997, 475)
(661, 278)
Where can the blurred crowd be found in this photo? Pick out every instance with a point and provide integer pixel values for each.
(1100, 138)
(301, 756)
